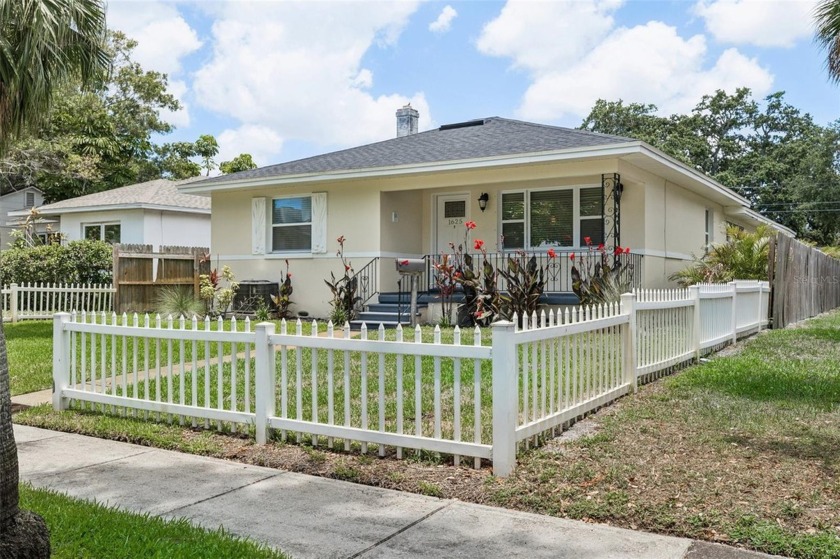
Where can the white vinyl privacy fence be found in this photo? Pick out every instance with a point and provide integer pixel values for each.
(464, 393)
(43, 300)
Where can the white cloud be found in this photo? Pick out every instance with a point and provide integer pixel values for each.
(296, 68)
(263, 143)
(444, 21)
(763, 23)
(163, 36)
(648, 63)
(539, 36)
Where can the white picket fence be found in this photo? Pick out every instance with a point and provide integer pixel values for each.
(43, 300)
(469, 396)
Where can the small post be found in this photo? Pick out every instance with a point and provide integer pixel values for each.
(694, 291)
(61, 360)
(734, 287)
(264, 380)
(13, 301)
(628, 340)
(505, 398)
(760, 304)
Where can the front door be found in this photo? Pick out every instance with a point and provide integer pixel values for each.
(452, 214)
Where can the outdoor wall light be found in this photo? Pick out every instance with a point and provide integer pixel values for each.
(482, 201)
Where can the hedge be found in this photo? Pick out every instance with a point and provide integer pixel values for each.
(75, 262)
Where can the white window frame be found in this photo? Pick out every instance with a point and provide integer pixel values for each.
(101, 225)
(272, 226)
(709, 227)
(577, 238)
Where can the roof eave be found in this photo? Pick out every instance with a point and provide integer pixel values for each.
(757, 219)
(113, 207)
(607, 150)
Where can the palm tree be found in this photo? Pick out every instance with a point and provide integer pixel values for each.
(42, 44)
(827, 15)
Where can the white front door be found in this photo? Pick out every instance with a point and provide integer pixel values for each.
(452, 214)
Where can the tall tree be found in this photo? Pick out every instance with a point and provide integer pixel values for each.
(42, 44)
(827, 15)
(771, 153)
(97, 137)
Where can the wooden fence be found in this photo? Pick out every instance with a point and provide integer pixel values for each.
(805, 281)
(468, 395)
(140, 273)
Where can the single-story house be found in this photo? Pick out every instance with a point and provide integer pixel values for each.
(19, 203)
(526, 186)
(154, 213)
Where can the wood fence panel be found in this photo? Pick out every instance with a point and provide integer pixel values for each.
(140, 273)
(805, 281)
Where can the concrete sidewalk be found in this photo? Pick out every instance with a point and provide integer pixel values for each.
(314, 517)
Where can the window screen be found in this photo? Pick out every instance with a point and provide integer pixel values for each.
(291, 222)
(455, 208)
(552, 215)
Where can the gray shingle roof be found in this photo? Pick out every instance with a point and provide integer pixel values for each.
(160, 192)
(494, 137)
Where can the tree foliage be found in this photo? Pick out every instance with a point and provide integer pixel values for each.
(770, 152)
(828, 35)
(242, 162)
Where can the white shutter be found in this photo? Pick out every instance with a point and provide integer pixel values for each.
(319, 222)
(258, 226)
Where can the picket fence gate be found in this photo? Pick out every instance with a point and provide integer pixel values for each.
(471, 397)
(43, 300)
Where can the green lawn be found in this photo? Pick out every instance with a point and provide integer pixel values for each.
(80, 529)
(29, 346)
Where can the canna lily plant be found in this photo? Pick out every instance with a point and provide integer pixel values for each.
(599, 277)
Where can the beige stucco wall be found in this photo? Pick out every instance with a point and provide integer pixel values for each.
(395, 216)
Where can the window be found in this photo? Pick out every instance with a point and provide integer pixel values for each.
(30, 200)
(108, 232)
(708, 238)
(552, 218)
(291, 224)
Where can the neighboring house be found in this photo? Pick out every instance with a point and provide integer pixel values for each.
(152, 212)
(542, 187)
(19, 203)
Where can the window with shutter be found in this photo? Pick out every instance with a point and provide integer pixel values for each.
(291, 224)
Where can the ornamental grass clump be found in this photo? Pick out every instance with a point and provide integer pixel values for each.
(599, 277)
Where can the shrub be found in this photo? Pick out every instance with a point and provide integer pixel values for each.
(595, 281)
(216, 298)
(743, 256)
(283, 299)
(344, 289)
(75, 262)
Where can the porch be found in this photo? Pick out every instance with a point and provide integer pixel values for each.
(385, 295)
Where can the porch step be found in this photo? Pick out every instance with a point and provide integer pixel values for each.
(390, 310)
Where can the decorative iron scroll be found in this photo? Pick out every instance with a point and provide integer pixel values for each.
(611, 188)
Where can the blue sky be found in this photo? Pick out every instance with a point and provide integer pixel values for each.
(285, 80)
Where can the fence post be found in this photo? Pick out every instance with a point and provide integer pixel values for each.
(694, 291)
(61, 360)
(734, 287)
(628, 340)
(760, 304)
(505, 398)
(13, 301)
(265, 379)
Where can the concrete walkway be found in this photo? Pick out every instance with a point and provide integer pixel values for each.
(314, 517)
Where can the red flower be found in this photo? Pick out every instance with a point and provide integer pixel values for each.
(601, 247)
(618, 250)
(470, 225)
(551, 253)
(403, 262)
(347, 267)
(478, 244)
(626, 250)
(288, 275)
(572, 257)
(457, 274)
(478, 314)
(587, 240)
(340, 240)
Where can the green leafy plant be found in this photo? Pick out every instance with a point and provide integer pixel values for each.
(217, 298)
(262, 311)
(75, 262)
(282, 301)
(344, 290)
(482, 299)
(599, 277)
(525, 284)
(177, 301)
(743, 256)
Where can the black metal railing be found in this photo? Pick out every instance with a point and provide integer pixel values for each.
(558, 269)
(368, 278)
